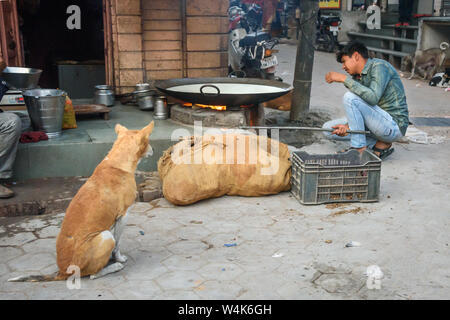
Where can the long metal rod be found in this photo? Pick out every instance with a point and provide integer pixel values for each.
(303, 128)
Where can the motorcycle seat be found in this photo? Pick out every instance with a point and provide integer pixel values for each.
(251, 39)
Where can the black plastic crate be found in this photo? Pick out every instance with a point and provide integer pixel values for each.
(328, 178)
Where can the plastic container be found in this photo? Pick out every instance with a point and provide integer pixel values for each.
(328, 178)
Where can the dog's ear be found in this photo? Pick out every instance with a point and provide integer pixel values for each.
(146, 131)
(119, 128)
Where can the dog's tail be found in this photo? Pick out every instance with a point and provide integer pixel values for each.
(444, 46)
(39, 278)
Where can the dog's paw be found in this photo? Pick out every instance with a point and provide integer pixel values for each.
(120, 258)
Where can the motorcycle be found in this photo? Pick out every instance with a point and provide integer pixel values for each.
(251, 52)
(327, 32)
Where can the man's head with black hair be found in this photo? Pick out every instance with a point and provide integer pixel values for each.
(350, 48)
(353, 57)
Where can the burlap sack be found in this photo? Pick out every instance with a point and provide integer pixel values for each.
(230, 164)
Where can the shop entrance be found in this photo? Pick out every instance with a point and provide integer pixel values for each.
(65, 39)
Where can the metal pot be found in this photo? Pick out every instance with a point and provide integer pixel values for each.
(146, 103)
(104, 95)
(145, 99)
(46, 110)
(142, 86)
(161, 111)
(142, 93)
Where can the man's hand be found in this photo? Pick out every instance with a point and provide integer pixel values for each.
(341, 130)
(331, 77)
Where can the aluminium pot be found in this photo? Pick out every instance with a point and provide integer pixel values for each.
(161, 109)
(104, 95)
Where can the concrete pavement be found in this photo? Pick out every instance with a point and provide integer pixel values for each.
(272, 247)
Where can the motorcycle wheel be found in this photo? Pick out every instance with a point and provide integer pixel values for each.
(330, 43)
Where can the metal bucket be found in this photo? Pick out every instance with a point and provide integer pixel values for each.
(46, 110)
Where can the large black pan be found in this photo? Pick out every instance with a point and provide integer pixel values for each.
(223, 91)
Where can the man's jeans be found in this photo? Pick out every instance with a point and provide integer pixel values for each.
(10, 130)
(362, 116)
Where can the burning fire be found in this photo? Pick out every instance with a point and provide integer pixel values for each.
(220, 108)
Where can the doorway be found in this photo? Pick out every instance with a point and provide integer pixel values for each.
(67, 44)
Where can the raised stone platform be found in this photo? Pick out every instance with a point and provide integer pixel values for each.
(78, 151)
(217, 118)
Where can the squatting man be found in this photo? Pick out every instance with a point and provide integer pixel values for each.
(375, 102)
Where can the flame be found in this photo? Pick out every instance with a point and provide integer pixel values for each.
(220, 108)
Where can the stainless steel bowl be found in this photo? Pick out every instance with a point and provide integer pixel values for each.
(21, 78)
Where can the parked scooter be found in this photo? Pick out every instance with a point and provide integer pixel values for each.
(250, 52)
(327, 32)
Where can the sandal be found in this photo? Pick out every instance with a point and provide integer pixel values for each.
(383, 152)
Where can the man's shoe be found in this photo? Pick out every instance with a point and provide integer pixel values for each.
(5, 193)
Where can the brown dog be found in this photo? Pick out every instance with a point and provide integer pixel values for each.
(85, 240)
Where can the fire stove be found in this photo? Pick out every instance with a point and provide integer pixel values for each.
(218, 116)
(221, 102)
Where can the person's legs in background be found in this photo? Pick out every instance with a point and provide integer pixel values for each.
(408, 12)
(10, 130)
(401, 12)
(404, 12)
